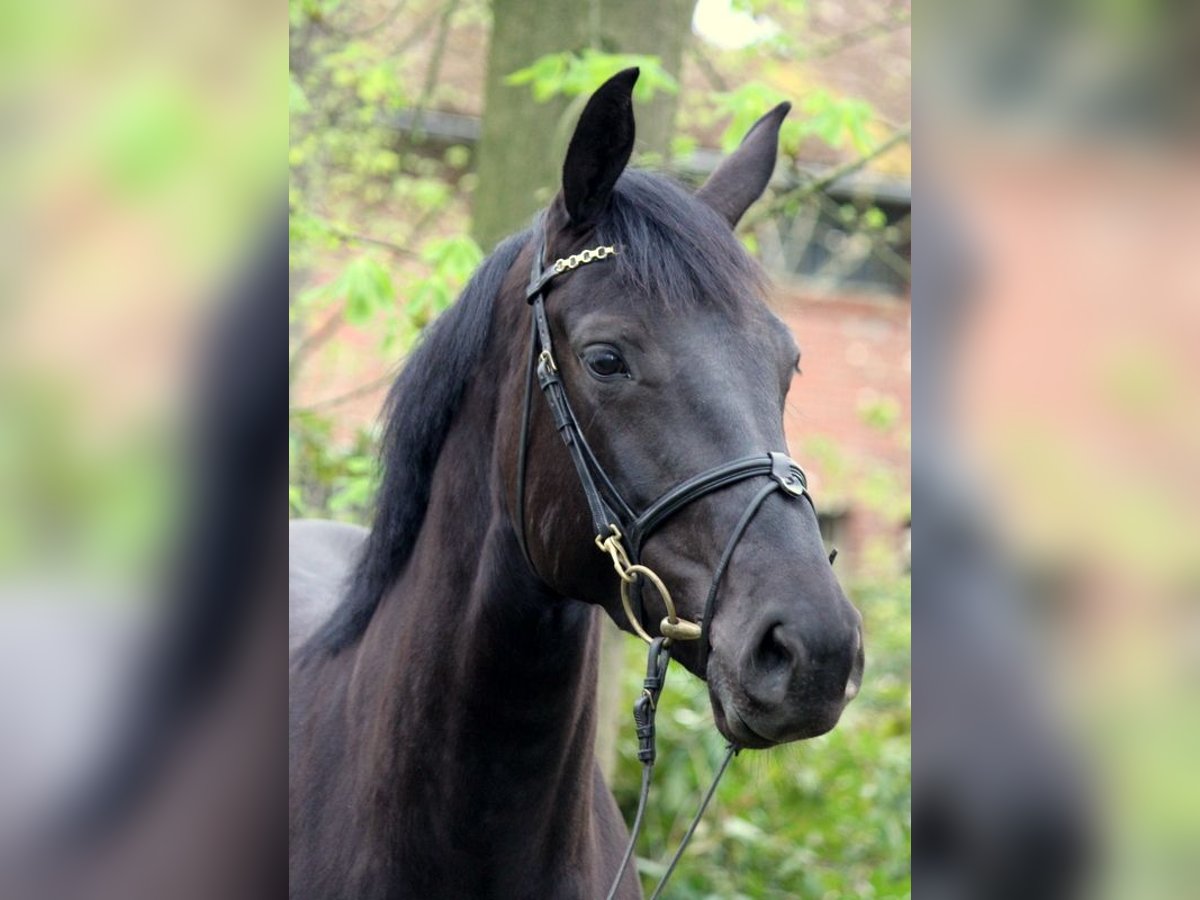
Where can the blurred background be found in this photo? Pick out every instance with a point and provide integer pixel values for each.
(141, 173)
(424, 132)
(1056, 622)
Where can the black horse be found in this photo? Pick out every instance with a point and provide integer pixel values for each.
(443, 702)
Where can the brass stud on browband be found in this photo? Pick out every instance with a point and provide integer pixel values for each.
(575, 260)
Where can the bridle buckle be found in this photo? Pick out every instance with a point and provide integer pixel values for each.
(788, 473)
(672, 626)
(614, 548)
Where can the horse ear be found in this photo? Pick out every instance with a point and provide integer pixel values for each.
(600, 148)
(741, 178)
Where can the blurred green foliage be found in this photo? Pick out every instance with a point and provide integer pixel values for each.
(835, 120)
(572, 74)
(360, 186)
(73, 500)
(377, 226)
(147, 136)
(139, 169)
(830, 817)
(838, 121)
(857, 482)
(329, 480)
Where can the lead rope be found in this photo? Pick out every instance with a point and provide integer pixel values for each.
(730, 752)
(645, 710)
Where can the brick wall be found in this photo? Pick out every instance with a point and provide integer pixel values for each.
(853, 395)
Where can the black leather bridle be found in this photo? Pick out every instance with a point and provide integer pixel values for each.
(614, 521)
(621, 532)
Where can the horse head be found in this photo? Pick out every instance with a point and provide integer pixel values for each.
(671, 366)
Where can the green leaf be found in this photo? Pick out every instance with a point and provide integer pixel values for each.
(355, 492)
(683, 146)
(879, 412)
(379, 87)
(430, 194)
(297, 100)
(741, 830)
(367, 287)
(453, 258)
(838, 121)
(569, 74)
(744, 106)
(874, 218)
(430, 296)
(457, 157)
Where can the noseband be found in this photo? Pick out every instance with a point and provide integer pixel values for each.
(621, 532)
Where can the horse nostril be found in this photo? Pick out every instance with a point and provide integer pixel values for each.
(773, 654)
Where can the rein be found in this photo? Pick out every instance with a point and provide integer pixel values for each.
(620, 532)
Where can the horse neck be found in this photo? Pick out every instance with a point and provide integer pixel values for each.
(477, 685)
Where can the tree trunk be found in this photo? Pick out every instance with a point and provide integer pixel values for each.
(523, 142)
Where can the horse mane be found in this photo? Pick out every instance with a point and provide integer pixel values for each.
(419, 409)
(674, 248)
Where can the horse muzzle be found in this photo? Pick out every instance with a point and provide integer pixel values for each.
(784, 685)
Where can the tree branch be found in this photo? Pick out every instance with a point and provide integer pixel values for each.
(434, 70)
(313, 341)
(708, 67)
(816, 185)
(365, 30)
(355, 237)
(362, 390)
(858, 36)
(418, 33)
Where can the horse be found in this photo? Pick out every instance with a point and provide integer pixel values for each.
(443, 709)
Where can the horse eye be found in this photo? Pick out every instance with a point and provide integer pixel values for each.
(605, 362)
